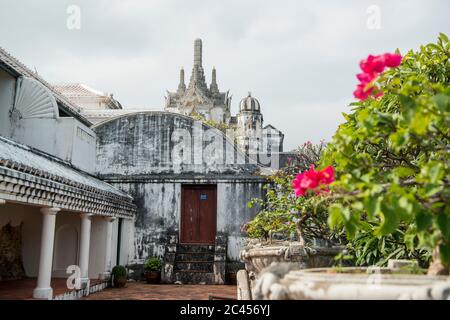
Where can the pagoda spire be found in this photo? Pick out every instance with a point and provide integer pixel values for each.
(198, 52)
(213, 87)
(198, 75)
(181, 85)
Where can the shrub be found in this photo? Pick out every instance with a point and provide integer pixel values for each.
(392, 160)
(119, 271)
(282, 213)
(152, 264)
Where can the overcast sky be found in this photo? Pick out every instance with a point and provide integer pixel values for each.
(299, 58)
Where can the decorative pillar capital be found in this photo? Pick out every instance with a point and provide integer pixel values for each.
(86, 215)
(50, 210)
(109, 218)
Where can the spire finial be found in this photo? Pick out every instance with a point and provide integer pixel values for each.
(249, 93)
(213, 80)
(181, 85)
(198, 52)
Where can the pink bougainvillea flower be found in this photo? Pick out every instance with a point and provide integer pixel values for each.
(366, 64)
(362, 92)
(326, 176)
(378, 64)
(313, 179)
(365, 77)
(310, 179)
(392, 60)
(372, 66)
(296, 185)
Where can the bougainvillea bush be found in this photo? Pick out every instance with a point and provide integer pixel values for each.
(391, 160)
(285, 215)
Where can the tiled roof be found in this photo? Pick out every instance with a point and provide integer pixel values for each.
(25, 156)
(57, 174)
(14, 65)
(78, 90)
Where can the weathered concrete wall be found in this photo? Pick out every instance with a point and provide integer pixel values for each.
(65, 138)
(159, 207)
(165, 143)
(232, 212)
(138, 154)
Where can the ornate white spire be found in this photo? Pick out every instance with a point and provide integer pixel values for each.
(213, 87)
(198, 52)
(198, 75)
(181, 85)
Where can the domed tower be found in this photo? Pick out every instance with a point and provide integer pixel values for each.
(249, 125)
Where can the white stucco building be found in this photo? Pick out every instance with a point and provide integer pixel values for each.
(54, 212)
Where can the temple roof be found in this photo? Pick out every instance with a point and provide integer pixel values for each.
(78, 90)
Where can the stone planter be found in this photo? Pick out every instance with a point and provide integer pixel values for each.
(257, 257)
(351, 284)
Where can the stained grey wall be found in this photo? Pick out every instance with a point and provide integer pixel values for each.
(159, 207)
(135, 154)
(165, 143)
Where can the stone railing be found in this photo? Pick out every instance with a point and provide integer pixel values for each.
(288, 255)
(349, 284)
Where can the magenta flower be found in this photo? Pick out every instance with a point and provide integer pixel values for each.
(372, 66)
(313, 179)
(392, 60)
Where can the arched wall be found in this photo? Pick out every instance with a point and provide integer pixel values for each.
(136, 152)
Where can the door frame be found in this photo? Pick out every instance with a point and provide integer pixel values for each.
(210, 186)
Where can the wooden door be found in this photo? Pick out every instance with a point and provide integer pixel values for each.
(198, 214)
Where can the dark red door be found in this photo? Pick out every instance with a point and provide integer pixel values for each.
(198, 214)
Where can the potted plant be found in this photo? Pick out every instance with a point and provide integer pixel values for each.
(119, 276)
(152, 268)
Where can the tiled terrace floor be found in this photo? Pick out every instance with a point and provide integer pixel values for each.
(144, 291)
(23, 289)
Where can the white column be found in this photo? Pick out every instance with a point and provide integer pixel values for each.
(2, 201)
(109, 229)
(84, 246)
(43, 289)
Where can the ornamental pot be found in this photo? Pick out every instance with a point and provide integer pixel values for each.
(352, 283)
(259, 256)
(119, 282)
(153, 277)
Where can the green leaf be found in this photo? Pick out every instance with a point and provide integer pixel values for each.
(423, 221)
(335, 216)
(443, 221)
(445, 253)
(372, 205)
(442, 102)
(389, 219)
(403, 172)
(443, 37)
(406, 101)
